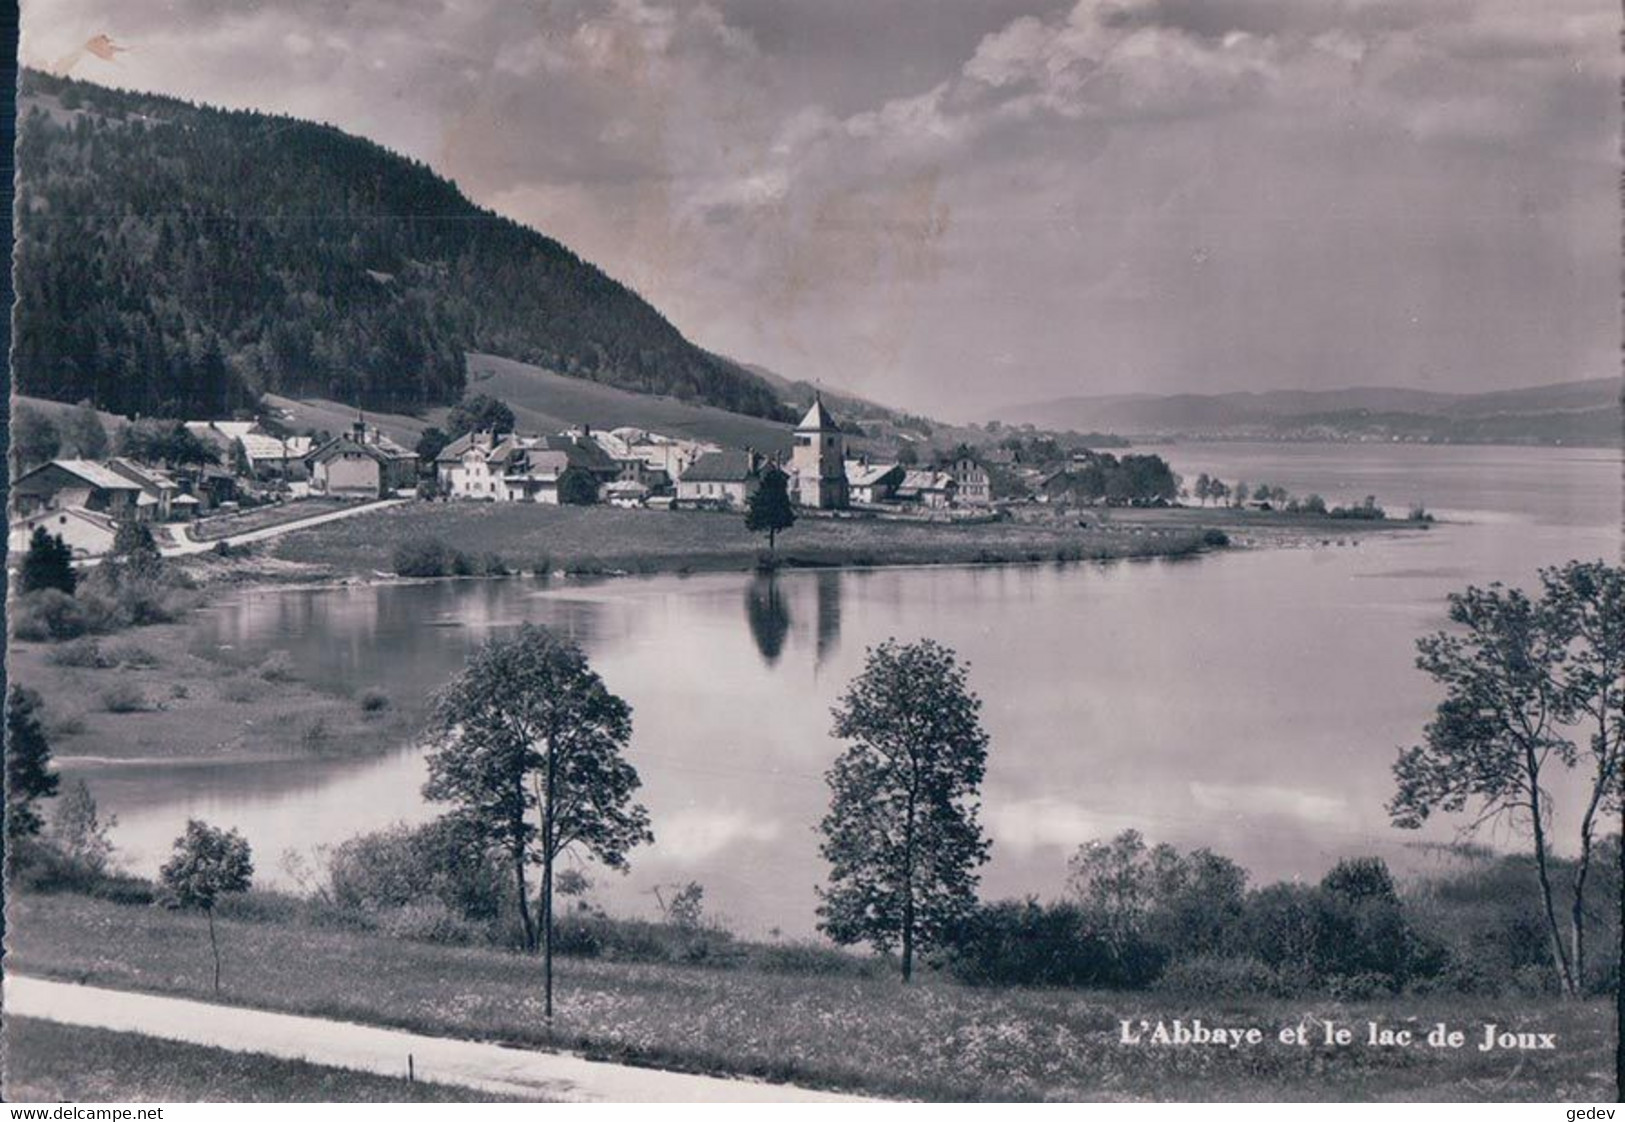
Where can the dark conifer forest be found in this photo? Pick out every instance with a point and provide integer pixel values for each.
(175, 260)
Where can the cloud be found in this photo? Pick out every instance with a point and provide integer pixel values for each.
(1109, 195)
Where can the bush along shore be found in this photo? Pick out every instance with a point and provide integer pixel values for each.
(1026, 999)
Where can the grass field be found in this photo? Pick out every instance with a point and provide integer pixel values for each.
(47, 1062)
(604, 539)
(934, 1039)
(261, 518)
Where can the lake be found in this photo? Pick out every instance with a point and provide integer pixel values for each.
(1251, 701)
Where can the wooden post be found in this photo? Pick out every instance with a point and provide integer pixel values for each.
(411, 1069)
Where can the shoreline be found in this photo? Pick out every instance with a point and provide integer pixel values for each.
(199, 706)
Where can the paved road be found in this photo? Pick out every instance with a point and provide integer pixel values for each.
(549, 1076)
(187, 546)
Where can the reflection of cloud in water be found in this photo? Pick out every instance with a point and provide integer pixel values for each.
(1283, 801)
(695, 834)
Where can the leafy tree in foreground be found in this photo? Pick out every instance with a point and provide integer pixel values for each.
(1588, 601)
(768, 510)
(207, 864)
(1522, 677)
(29, 776)
(529, 747)
(47, 564)
(901, 835)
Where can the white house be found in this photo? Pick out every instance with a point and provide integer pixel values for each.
(85, 532)
(721, 479)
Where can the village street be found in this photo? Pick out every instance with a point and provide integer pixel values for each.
(494, 1068)
(186, 546)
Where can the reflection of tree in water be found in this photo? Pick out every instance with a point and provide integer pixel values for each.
(829, 613)
(769, 616)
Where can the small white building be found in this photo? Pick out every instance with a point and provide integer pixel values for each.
(721, 479)
(85, 532)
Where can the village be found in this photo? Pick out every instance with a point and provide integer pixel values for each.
(205, 469)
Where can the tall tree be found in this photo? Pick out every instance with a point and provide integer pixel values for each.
(47, 564)
(207, 863)
(768, 509)
(1204, 488)
(901, 836)
(1522, 677)
(528, 745)
(29, 776)
(1587, 600)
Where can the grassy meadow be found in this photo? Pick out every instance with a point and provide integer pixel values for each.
(48, 1062)
(807, 1023)
(603, 539)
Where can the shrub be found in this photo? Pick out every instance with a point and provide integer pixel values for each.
(48, 614)
(443, 861)
(1023, 942)
(84, 653)
(427, 921)
(137, 658)
(812, 960)
(1223, 977)
(1215, 538)
(427, 557)
(123, 697)
(374, 701)
(277, 667)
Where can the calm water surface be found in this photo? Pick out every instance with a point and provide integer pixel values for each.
(1251, 702)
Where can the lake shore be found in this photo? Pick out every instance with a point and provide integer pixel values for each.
(152, 693)
(601, 540)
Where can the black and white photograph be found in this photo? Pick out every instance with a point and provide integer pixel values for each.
(815, 551)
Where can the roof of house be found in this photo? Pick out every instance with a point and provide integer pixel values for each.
(261, 446)
(923, 480)
(859, 474)
(818, 419)
(97, 475)
(215, 430)
(723, 467)
(584, 452)
(39, 518)
(377, 445)
(148, 478)
(534, 463)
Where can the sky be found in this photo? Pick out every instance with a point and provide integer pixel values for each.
(953, 205)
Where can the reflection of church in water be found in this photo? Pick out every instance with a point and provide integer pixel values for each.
(772, 618)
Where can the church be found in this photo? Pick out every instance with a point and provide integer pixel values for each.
(818, 461)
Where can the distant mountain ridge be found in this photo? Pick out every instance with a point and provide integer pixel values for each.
(1580, 412)
(177, 259)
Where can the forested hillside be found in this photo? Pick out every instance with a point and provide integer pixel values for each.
(173, 259)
